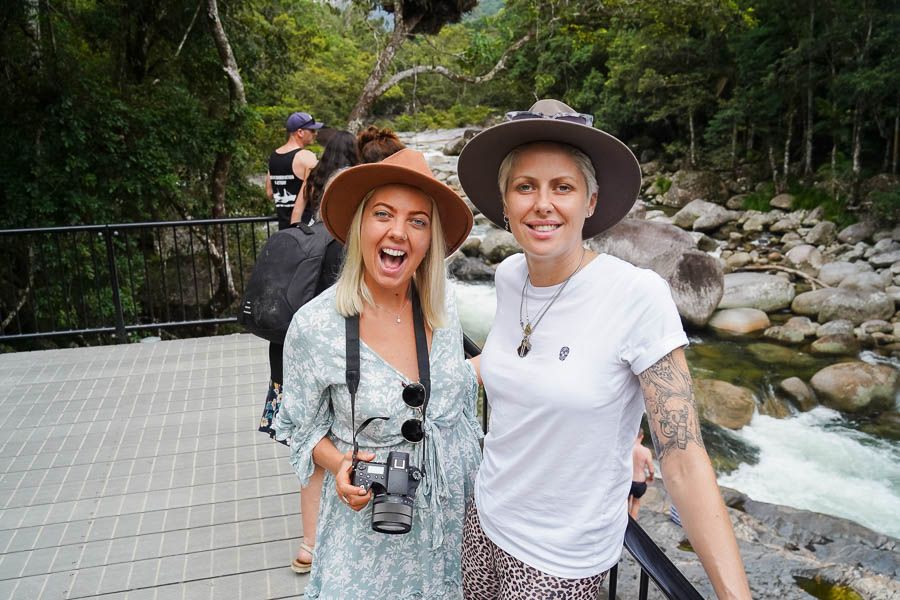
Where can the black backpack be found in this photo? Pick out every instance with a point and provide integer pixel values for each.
(286, 276)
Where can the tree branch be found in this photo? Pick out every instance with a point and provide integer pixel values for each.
(229, 64)
(188, 31)
(796, 272)
(458, 77)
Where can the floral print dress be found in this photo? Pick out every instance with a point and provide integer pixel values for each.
(351, 560)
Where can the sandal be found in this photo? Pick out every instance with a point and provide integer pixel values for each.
(300, 567)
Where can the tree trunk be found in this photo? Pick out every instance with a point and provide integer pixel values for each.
(367, 98)
(896, 135)
(749, 141)
(834, 169)
(808, 133)
(774, 167)
(226, 292)
(693, 138)
(33, 29)
(734, 136)
(789, 136)
(857, 151)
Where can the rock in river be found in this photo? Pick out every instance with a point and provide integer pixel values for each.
(856, 386)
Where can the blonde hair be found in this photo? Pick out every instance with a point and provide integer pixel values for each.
(352, 293)
(582, 162)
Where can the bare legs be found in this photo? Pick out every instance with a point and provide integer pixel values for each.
(309, 511)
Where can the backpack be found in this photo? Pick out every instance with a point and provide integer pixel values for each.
(285, 277)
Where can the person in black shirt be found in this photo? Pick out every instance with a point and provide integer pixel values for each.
(290, 163)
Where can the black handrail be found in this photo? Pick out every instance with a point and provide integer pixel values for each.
(653, 561)
(114, 279)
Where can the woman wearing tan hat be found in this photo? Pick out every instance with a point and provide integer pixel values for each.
(377, 359)
(581, 345)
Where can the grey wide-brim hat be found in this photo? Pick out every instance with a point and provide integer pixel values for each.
(618, 171)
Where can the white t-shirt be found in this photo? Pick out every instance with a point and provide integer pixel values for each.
(553, 486)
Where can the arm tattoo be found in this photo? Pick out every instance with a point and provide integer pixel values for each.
(669, 394)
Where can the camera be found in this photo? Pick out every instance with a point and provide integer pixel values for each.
(393, 484)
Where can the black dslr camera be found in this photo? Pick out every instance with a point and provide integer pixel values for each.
(393, 484)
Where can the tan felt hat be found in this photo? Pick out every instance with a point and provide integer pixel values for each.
(618, 171)
(406, 167)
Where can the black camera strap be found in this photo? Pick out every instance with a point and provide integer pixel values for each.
(351, 327)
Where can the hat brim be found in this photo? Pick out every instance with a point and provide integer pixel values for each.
(618, 171)
(314, 126)
(345, 192)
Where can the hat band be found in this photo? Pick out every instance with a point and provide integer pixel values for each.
(571, 117)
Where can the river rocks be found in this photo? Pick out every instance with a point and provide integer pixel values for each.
(768, 293)
(876, 326)
(806, 258)
(794, 331)
(836, 344)
(738, 260)
(857, 232)
(821, 234)
(885, 259)
(839, 326)
(694, 277)
(701, 215)
(739, 321)
(690, 185)
(856, 386)
(724, 404)
(856, 305)
(799, 393)
(834, 272)
(736, 202)
(866, 279)
(499, 244)
(454, 147)
(465, 268)
(758, 221)
(788, 223)
(782, 201)
(773, 354)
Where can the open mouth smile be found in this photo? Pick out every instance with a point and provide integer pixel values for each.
(392, 259)
(544, 227)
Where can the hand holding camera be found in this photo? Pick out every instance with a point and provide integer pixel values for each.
(354, 496)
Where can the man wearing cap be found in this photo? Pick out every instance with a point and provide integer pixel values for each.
(289, 165)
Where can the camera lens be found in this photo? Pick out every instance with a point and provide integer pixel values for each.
(391, 515)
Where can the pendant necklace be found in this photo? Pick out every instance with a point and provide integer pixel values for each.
(525, 321)
(400, 312)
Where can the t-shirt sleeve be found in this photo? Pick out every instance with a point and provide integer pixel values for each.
(656, 329)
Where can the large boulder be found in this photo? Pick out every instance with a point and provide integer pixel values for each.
(799, 393)
(856, 386)
(866, 279)
(838, 344)
(855, 305)
(498, 244)
(724, 404)
(466, 268)
(885, 259)
(822, 233)
(782, 201)
(701, 215)
(695, 278)
(690, 185)
(756, 290)
(739, 321)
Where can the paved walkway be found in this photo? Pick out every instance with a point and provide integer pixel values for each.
(136, 472)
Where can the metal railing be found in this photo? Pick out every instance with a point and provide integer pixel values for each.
(126, 277)
(654, 563)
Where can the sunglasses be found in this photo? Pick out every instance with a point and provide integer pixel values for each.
(571, 117)
(414, 397)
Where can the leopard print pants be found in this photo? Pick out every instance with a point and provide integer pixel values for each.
(490, 573)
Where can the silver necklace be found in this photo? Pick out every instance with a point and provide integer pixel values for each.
(525, 321)
(400, 312)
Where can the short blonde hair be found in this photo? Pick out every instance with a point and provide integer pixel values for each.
(352, 293)
(582, 162)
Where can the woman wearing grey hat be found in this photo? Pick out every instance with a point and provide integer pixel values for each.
(582, 344)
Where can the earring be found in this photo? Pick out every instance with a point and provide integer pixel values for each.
(505, 222)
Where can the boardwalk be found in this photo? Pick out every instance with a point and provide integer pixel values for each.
(136, 472)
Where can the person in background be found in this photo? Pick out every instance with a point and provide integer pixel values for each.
(642, 461)
(416, 392)
(376, 144)
(340, 152)
(289, 165)
(581, 345)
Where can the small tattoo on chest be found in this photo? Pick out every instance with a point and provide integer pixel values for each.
(563, 352)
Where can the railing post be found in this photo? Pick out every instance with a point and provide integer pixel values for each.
(114, 283)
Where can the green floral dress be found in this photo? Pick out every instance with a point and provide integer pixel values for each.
(352, 561)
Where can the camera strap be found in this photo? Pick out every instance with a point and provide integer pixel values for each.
(351, 327)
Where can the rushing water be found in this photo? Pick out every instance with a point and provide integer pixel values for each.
(816, 460)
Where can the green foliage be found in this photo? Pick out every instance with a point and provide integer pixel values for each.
(662, 184)
(759, 199)
(885, 207)
(429, 117)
